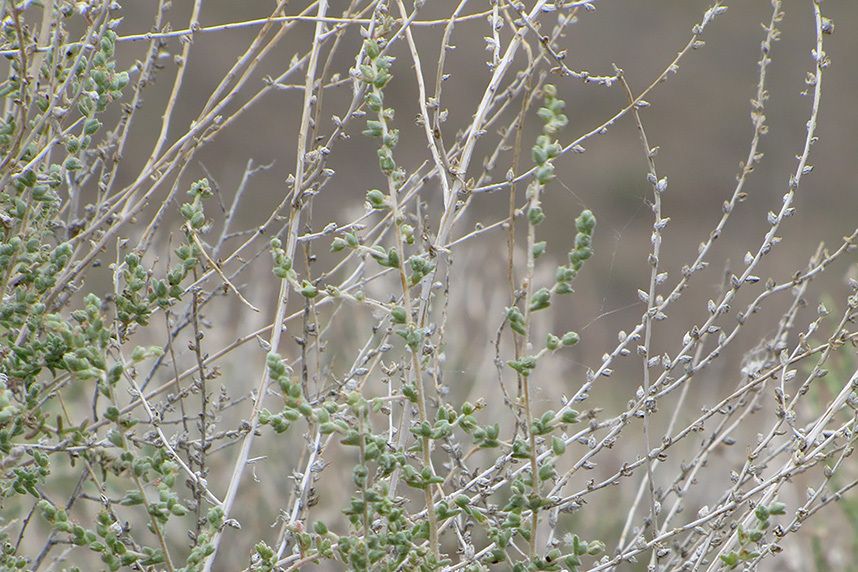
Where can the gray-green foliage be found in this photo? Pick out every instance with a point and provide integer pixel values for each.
(53, 339)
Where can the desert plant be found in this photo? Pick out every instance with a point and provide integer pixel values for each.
(143, 426)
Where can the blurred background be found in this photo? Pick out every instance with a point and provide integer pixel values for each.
(700, 120)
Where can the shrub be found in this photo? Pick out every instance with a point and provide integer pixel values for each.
(135, 406)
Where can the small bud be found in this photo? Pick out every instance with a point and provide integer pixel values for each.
(553, 342)
(569, 416)
(570, 339)
(372, 49)
(535, 215)
(398, 315)
(541, 299)
(308, 290)
(376, 199)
